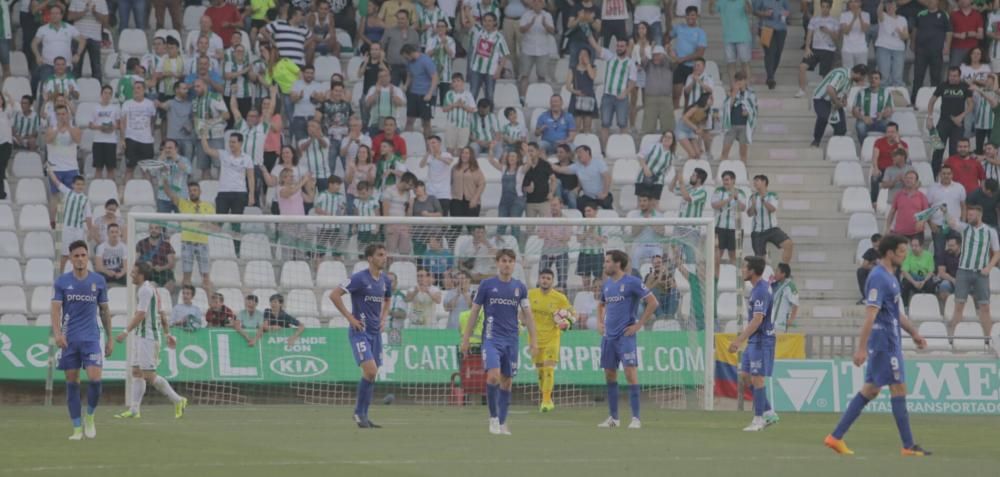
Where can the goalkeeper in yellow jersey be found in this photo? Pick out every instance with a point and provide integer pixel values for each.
(553, 314)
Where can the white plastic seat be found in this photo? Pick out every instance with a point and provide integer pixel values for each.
(43, 320)
(14, 319)
(326, 66)
(848, 174)
(209, 189)
(139, 192)
(917, 149)
(727, 306)
(259, 273)
(924, 307)
(361, 265)
(416, 145)
(666, 325)
(10, 272)
(345, 41)
(841, 148)
(353, 66)
(117, 300)
(538, 95)
(16, 87)
(327, 307)
(296, 274)
(406, 272)
(855, 199)
(331, 273)
(968, 311)
(621, 146)
(591, 141)
(192, 17)
(31, 191)
(738, 168)
(994, 278)
(84, 112)
(225, 273)
(974, 340)
(34, 217)
(132, 41)
(166, 302)
(255, 247)
(38, 271)
(7, 218)
(221, 247)
(300, 303)
(10, 246)
(867, 148)
(19, 66)
(907, 122)
(39, 245)
(625, 171)
(41, 299)
(233, 298)
(27, 164)
(172, 32)
(100, 190)
(935, 332)
(924, 173)
(727, 277)
(505, 94)
(862, 225)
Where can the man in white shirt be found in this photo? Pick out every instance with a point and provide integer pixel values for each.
(423, 300)
(111, 257)
(215, 46)
(106, 122)
(53, 40)
(438, 163)
(236, 178)
(537, 42)
(854, 24)
(90, 17)
(304, 91)
(138, 115)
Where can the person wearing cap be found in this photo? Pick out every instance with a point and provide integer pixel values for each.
(275, 319)
(657, 96)
(250, 318)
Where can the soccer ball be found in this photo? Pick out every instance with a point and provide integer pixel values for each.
(563, 319)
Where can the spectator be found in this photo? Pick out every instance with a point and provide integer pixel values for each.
(513, 134)
(590, 262)
(987, 106)
(979, 256)
(773, 15)
(655, 161)
(730, 202)
(105, 121)
(647, 241)
(194, 245)
(175, 177)
(584, 24)
(111, 256)
(54, 40)
(948, 197)
(882, 158)
(986, 198)
(437, 259)
(739, 117)
(931, 42)
(61, 82)
(321, 24)
(240, 89)
(390, 134)
(947, 269)
(538, 182)
(467, 185)
(389, 168)
(594, 176)
(421, 82)
(580, 84)
(62, 141)
(555, 253)
(390, 8)
(689, 43)
(476, 256)
(693, 194)
(868, 261)
(305, 93)
(619, 81)
(186, 314)
(7, 114)
(367, 206)
(250, 320)
(397, 201)
(427, 206)
(203, 62)
(657, 96)
(372, 29)
(438, 164)
(485, 130)
(458, 299)
(872, 107)
(218, 314)
(290, 37)
(460, 106)
(786, 298)
(89, 18)
(567, 185)
(393, 41)
(293, 194)
(314, 150)
(820, 45)
(179, 126)
(156, 251)
(255, 128)
(382, 100)
(226, 19)
(555, 126)
(991, 161)
(966, 168)
(890, 46)
(692, 131)
(276, 318)
(735, 16)
(641, 53)
(892, 178)
(423, 300)
(427, 19)
(967, 31)
(536, 29)
(331, 238)
(854, 25)
(215, 46)
(99, 232)
(512, 172)
(762, 207)
(26, 124)
(232, 196)
(138, 115)
(660, 280)
(489, 53)
(917, 272)
(210, 115)
(905, 207)
(442, 49)
(830, 97)
(368, 72)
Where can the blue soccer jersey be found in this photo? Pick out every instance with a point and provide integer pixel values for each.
(760, 302)
(367, 295)
(621, 304)
(882, 292)
(80, 299)
(501, 302)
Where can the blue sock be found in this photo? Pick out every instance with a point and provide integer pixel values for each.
(93, 395)
(902, 420)
(369, 397)
(633, 399)
(767, 402)
(854, 409)
(491, 398)
(503, 403)
(613, 400)
(73, 402)
(359, 408)
(758, 401)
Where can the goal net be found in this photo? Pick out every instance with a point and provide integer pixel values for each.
(280, 264)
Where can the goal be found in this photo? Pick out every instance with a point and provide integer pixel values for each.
(435, 265)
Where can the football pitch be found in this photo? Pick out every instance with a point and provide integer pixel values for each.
(292, 441)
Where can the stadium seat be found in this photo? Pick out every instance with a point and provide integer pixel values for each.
(935, 333)
(34, 217)
(625, 171)
(233, 298)
(331, 273)
(848, 174)
(862, 225)
(621, 146)
(591, 141)
(19, 65)
(535, 114)
(626, 199)
(209, 189)
(994, 278)
(327, 307)
(221, 247)
(923, 98)
(139, 192)
(353, 66)
(491, 197)
(41, 298)
(907, 121)
(972, 337)
(300, 303)
(259, 273)
(119, 321)
(310, 322)
(413, 165)
(968, 312)
(225, 273)
(338, 322)
(17, 87)
(14, 319)
(10, 272)
(731, 327)
(296, 274)
(538, 95)
(727, 277)
(924, 307)
(738, 168)
(361, 265)
(100, 190)
(416, 145)
(255, 247)
(36, 245)
(69, 267)
(917, 149)
(855, 199)
(192, 17)
(38, 271)
(867, 148)
(27, 164)
(505, 94)
(166, 301)
(117, 300)
(841, 148)
(346, 42)
(561, 70)
(924, 173)
(406, 272)
(172, 32)
(132, 42)
(10, 246)
(490, 173)
(326, 66)
(7, 218)
(727, 306)
(43, 320)
(84, 113)
(666, 325)
(31, 191)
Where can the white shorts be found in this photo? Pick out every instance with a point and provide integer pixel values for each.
(456, 138)
(737, 52)
(145, 353)
(70, 235)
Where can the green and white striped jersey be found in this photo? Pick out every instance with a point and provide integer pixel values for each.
(328, 203)
(437, 51)
(658, 160)
(148, 303)
(26, 125)
(207, 112)
(692, 97)
(484, 128)
(784, 298)
(383, 106)
(240, 86)
(694, 207)
(76, 208)
(984, 112)
(253, 139)
(429, 17)
(488, 51)
(619, 72)
(168, 69)
(728, 216)
(590, 240)
(763, 220)
(839, 79)
(514, 132)
(459, 117)
(871, 103)
(316, 157)
(978, 244)
(61, 84)
(367, 208)
(992, 170)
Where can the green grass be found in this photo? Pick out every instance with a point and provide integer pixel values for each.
(289, 441)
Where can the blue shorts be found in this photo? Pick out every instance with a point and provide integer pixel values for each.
(885, 367)
(66, 177)
(83, 354)
(622, 350)
(366, 347)
(500, 354)
(758, 359)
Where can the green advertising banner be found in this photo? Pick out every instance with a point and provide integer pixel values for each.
(422, 356)
(938, 386)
